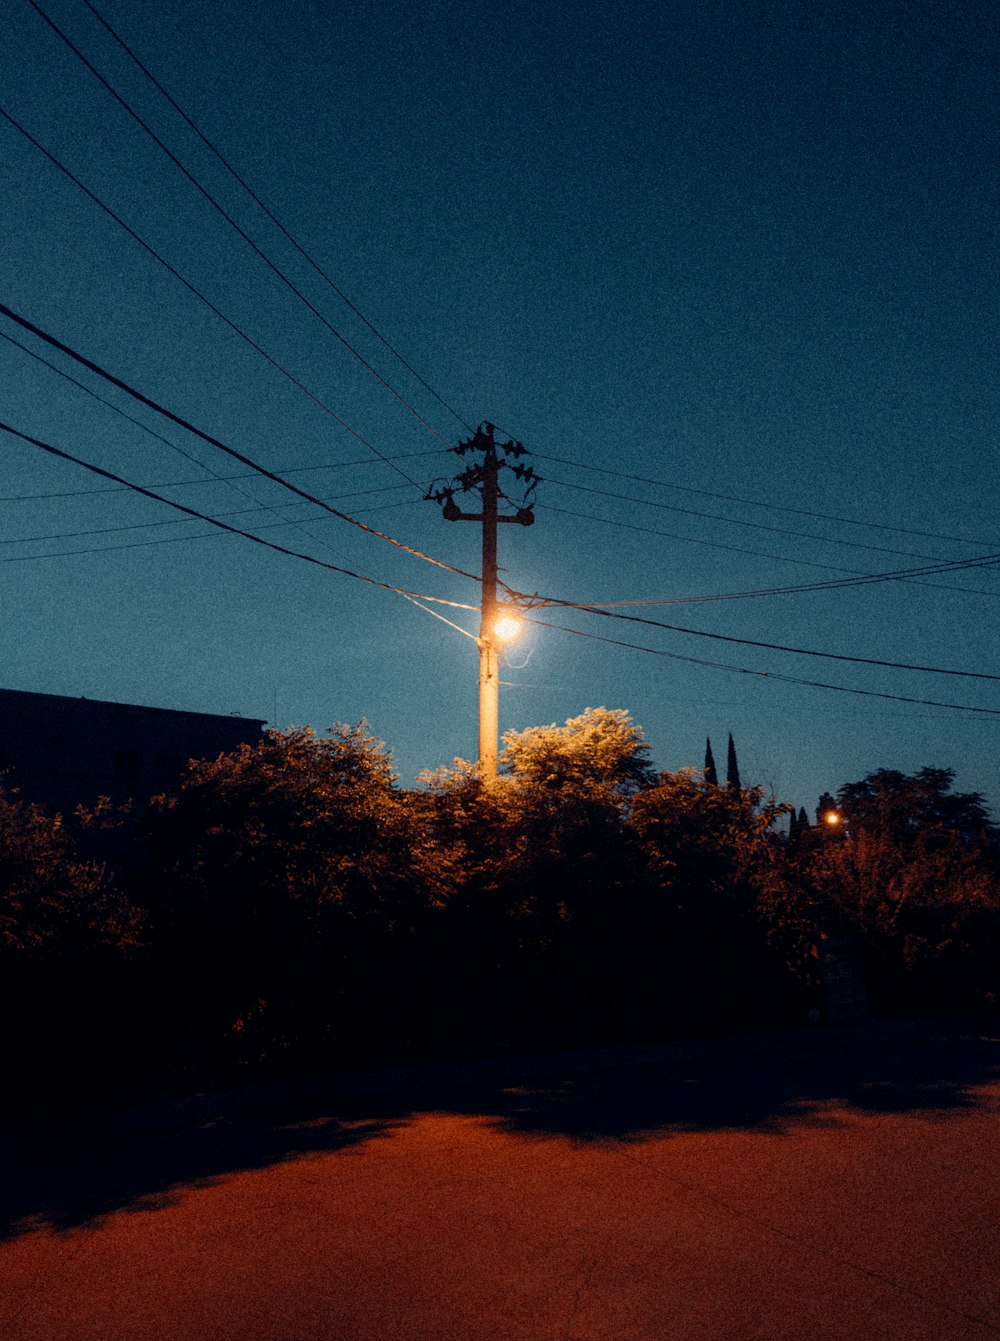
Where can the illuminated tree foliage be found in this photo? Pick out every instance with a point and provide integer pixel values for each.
(601, 751)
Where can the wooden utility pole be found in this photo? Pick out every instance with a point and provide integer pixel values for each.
(483, 478)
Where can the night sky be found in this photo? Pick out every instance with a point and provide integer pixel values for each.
(744, 251)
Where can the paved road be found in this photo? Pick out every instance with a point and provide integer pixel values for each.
(832, 1186)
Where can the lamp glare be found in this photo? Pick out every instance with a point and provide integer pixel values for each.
(506, 628)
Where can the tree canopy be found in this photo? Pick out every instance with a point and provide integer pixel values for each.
(601, 748)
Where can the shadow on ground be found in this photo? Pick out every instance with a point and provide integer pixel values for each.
(76, 1173)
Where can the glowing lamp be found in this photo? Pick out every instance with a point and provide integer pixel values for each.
(506, 627)
(832, 817)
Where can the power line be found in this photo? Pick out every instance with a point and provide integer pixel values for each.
(207, 437)
(229, 482)
(213, 475)
(753, 502)
(269, 213)
(736, 521)
(109, 404)
(222, 479)
(221, 525)
(751, 642)
(238, 330)
(187, 539)
(755, 553)
(899, 575)
(238, 512)
(258, 251)
(764, 675)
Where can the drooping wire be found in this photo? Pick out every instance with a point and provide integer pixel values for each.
(230, 483)
(538, 601)
(757, 503)
(764, 675)
(51, 340)
(755, 553)
(272, 509)
(450, 622)
(276, 270)
(58, 452)
(109, 404)
(270, 215)
(179, 540)
(833, 584)
(238, 330)
(737, 521)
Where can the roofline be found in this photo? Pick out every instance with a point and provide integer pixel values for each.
(135, 707)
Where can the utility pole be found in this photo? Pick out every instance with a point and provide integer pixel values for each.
(483, 477)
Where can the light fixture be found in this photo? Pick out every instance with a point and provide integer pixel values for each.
(506, 627)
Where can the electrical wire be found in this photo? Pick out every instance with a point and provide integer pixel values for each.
(752, 642)
(183, 540)
(141, 526)
(754, 553)
(258, 251)
(222, 479)
(228, 480)
(270, 215)
(736, 521)
(230, 483)
(109, 404)
(756, 503)
(215, 442)
(450, 622)
(898, 575)
(223, 526)
(764, 675)
(238, 330)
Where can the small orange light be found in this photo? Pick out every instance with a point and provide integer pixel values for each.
(832, 817)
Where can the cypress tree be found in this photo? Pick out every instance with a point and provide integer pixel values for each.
(710, 774)
(732, 768)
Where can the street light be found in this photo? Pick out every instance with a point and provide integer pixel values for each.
(506, 627)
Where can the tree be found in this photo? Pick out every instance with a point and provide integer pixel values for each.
(52, 903)
(913, 871)
(68, 938)
(602, 748)
(541, 858)
(825, 806)
(718, 902)
(290, 883)
(732, 768)
(918, 807)
(710, 772)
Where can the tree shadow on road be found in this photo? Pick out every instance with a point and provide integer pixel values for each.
(760, 1083)
(78, 1173)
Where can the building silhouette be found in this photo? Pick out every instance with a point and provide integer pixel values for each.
(63, 752)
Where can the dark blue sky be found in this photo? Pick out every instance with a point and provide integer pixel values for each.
(743, 249)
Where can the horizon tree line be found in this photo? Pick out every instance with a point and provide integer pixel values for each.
(288, 905)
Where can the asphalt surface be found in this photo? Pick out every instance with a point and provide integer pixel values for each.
(840, 1185)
